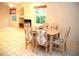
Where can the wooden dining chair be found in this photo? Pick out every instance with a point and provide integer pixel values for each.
(28, 33)
(60, 43)
(42, 39)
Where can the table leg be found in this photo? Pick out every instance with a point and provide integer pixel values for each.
(58, 35)
(51, 45)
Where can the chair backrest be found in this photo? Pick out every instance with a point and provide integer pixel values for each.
(54, 26)
(66, 34)
(41, 36)
(26, 25)
(28, 31)
(46, 25)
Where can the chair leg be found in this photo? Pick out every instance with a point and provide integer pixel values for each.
(46, 49)
(36, 47)
(63, 50)
(32, 48)
(26, 43)
(33, 44)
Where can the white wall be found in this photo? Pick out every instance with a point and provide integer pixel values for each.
(4, 16)
(65, 14)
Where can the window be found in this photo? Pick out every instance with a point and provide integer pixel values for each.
(40, 14)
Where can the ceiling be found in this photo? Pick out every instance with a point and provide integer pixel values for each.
(17, 3)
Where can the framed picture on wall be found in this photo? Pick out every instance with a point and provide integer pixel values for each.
(14, 18)
(12, 11)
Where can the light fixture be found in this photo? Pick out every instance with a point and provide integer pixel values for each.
(11, 5)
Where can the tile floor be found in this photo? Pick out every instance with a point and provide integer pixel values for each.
(12, 43)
